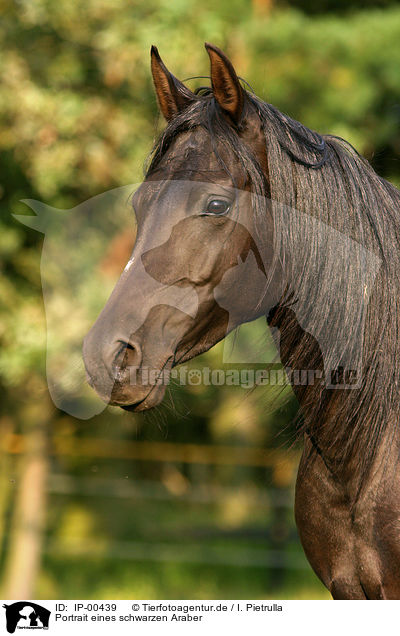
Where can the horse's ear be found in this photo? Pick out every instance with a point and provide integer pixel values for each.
(172, 95)
(225, 83)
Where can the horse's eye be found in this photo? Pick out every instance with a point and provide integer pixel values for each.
(217, 207)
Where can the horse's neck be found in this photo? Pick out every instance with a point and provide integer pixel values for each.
(324, 410)
(302, 357)
(299, 353)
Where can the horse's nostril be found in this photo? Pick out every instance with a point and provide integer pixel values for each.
(128, 355)
(133, 355)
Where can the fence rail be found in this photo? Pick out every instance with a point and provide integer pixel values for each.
(158, 451)
(194, 553)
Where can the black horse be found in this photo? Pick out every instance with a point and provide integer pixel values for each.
(245, 212)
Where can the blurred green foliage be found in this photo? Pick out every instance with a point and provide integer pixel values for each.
(77, 117)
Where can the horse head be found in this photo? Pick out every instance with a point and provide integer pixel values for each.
(186, 286)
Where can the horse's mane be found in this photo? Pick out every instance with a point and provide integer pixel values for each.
(319, 181)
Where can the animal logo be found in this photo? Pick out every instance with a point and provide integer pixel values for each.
(194, 377)
(26, 615)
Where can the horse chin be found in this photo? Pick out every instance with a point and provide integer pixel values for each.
(153, 398)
